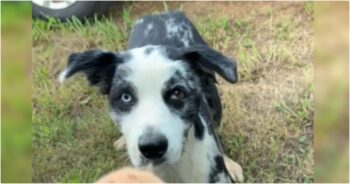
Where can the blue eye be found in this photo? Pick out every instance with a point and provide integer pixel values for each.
(126, 97)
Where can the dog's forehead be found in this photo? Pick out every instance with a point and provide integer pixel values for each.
(150, 65)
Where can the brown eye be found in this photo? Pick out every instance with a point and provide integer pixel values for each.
(177, 94)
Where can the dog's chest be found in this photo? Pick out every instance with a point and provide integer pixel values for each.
(195, 164)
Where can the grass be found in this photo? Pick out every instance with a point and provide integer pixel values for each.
(268, 115)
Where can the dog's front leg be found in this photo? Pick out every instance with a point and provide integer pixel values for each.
(120, 144)
(234, 169)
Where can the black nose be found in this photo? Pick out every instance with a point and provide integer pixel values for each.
(153, 146)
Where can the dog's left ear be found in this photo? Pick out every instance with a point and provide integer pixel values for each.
(211, 60)
(98, 66)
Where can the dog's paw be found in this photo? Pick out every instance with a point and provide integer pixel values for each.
(120, 144)
(234, 169)
(129, 175)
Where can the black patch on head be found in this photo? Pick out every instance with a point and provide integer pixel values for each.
(98, 67)
(186, 107)
(204, 62)
(206, 81)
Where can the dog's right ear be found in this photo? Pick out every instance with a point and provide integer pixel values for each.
(98, 66)
(210, 60)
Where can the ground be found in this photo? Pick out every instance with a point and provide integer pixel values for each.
(267, 116)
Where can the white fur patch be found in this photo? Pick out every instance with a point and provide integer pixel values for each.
(62, 76)
(149, 27)
(174, 29)
(148, 73)
(194, 165)
(139, 21)
(171, 28)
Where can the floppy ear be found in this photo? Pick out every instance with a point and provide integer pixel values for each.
(210, 60)
(98, 67)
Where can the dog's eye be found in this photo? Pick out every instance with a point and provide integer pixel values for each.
(177, 94)
(126, 97)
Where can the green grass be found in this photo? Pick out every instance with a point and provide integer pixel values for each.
(309, 7)
(268, 115)
(16, 106)
(72, 133)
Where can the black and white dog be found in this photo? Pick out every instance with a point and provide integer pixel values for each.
(162, 96)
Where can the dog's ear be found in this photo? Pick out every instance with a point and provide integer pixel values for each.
(98, 66)
(210, 60)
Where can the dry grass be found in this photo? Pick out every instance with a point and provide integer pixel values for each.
(268, 116)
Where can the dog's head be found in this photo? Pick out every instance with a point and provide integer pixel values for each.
(154, 93)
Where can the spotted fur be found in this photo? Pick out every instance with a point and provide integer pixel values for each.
(166, 56)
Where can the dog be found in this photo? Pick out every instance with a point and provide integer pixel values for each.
(162, 97)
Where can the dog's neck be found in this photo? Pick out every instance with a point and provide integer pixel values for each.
(202, 159)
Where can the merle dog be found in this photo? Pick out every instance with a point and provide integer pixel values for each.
(163, 98)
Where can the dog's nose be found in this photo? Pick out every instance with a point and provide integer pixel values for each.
(153, 146)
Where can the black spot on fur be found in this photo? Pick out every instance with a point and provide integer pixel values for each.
(98, 67)
(217, 169)
(199, 129)
(213, 99)
(148, 50)
(205, 113)
(186, 108)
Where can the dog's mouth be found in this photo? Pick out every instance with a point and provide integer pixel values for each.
(153, 162)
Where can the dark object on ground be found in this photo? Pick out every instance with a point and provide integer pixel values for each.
(64, 10)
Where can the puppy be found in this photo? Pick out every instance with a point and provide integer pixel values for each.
(162, 97)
